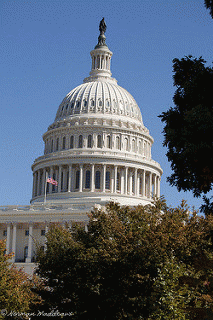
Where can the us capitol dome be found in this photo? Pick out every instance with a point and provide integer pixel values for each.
(97, 149)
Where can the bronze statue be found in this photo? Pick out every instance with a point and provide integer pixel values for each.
(102, 26)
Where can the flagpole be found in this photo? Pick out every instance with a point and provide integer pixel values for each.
(45, 190)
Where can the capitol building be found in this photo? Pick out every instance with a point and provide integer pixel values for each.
(97, 149)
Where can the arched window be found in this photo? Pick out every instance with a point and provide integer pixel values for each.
(89, 141)
(99, 142)
(109, 142)
(107, 184)
(97, 179)
(25, 252)
(64, 143)
(77, 179)
(118, 146)
(87, 180)
(71, 142)
(57, 144)
(133, 145)
(80, 141)
(140, 147)
(126, 145)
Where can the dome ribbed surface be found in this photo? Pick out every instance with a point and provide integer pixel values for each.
(100, 97)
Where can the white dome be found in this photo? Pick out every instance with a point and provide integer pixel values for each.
(100, 97)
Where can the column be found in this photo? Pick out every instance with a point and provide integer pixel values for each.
(144, 184)
(92, 178)
(50, 184)
(30, 242)
(135, 184)
(38, 183)
(43, 181)
(14, 243)
(126, 180)
(138, 185)
(59, 179)
(8, 240)
(112, 180)
(150, 185)
(122, 181)
(158, 193)
(115, 178)
(130, 183)
(34, 184)
(81, 178)
(104, 178)
(70, 179)
(155, 185)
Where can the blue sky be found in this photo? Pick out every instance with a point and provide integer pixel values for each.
(44, 52)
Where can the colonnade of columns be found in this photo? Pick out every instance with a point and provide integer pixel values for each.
(11, 242)
(98, 177)
(101, 62)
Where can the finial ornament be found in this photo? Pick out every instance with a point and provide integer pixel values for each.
(102, 26)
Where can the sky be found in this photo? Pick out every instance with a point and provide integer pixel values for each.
(45, 52)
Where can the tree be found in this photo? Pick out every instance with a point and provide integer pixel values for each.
(188, 127)
(131, 263)
(209, 5)
(16, 289)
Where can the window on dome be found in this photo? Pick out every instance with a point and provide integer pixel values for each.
(99, 142)
(72, 105)
(92, 103)
(25, 252)
(71, 142)
(77, 179)
(57, 144)
(85, 103)
(133, 145)
(126, 146)
(97, 179)
(87, 180)
(107, 183)
(80, 141)
(66, 106)
(64, 143)
(78, 104)
(140, 147)
(109, 142)
(118, 146)
(89, 141)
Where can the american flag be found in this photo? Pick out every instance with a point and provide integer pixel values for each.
(51, 180)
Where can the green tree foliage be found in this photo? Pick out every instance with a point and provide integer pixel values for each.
(209, 5)
(150, 262)
(188, 127)
(16, 289)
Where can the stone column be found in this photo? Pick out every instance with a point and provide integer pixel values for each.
(43, 181)
(135, 182)
(115, 178)
(81, 178)
(155, 185)
(70, 179)
(30, 242)
(138, 185)
(38, 183)
(158, 193)
(50, 184)
(150, 185)
(130, 183)
(8, 240)
(112, 181)
(34, 184)
(59, 179)
(122, 181)
(104, 178)
(126, 180)
(14, 243)
(92, 178)
(144, 184)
